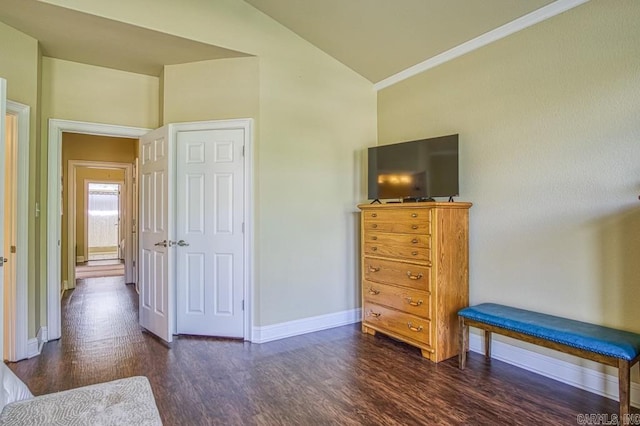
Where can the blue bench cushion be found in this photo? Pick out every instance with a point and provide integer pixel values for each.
(582, 335)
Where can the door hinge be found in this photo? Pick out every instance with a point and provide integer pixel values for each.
(243, 227)
(243, 305)
(243, 150)
(134, 263)
(13, 249)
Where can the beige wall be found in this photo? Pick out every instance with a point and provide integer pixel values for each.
(89, 148)
(315, 114)
(22, 75)
(207, 90)
(74, 91)
(550, 142)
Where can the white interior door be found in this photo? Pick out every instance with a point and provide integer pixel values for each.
(3, 116)
(209, 227)
(156, 260)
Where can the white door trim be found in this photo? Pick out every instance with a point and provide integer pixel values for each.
(245, 124)
(54, 211)
(54, 162)
(71, 216)
(17, 306)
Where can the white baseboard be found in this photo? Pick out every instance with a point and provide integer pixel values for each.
(34, 346)
(554, 368)
(283, 330)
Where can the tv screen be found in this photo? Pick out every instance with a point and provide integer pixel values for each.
(416, 170)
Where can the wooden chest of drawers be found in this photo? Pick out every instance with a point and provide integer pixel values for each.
(415, 273)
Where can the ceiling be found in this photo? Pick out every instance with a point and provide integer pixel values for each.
(80, 37)
(379, 38)
(375, 38)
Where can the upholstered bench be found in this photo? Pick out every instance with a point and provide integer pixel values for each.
(597, 343)
(127, 401)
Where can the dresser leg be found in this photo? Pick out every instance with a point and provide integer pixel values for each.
(426, 354)
(368, 330)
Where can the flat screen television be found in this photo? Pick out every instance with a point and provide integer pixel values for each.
(414, 171)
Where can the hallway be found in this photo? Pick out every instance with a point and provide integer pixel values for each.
(337, 376)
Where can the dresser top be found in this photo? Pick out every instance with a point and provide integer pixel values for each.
(417, 205)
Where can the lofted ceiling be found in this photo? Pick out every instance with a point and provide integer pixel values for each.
(379, 38)
(375, 38)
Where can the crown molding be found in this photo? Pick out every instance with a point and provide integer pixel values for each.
(505, 30)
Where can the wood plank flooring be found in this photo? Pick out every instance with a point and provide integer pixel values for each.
(333, 377)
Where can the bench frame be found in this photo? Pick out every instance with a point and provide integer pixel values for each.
(623, 365)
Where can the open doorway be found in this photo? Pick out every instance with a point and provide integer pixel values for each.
(102, 253)
(103, 216)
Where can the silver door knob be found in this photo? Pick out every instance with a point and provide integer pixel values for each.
(182, 243)
(162, 243)
(4, 260)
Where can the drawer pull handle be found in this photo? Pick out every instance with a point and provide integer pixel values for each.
(414, 253)
(414, 226)
(374, 238)
(375, 292)
(414, 277)
(374, 248)
(414, 241)
(372, 269)
(412, 303)
(375, 225)
(374, 214)
(412, 328)
(375, 314)
(414, 214)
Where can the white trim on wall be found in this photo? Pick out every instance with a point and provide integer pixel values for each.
(535, 17)
(54, 205)
(283, 330)
(17, 307)
(554, 368)
(35, 344)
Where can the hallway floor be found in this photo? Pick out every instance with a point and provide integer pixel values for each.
(334, 377)
(100, 268)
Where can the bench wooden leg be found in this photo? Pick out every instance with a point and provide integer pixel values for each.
(464, 344)
(487, 344)
(624, 387)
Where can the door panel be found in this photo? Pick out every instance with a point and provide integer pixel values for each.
(209, 214)
(155, 255)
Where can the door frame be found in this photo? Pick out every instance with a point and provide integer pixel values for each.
(54, 205)
(71, 209)
(16, 304)
(54, 212)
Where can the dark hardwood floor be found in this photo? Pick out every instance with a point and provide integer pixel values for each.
(333, 377)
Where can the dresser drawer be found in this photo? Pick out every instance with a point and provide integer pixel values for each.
(404, 252)
(415, 302)
(403, 221)
(408, 240)
(407, 325)
(391, 272)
